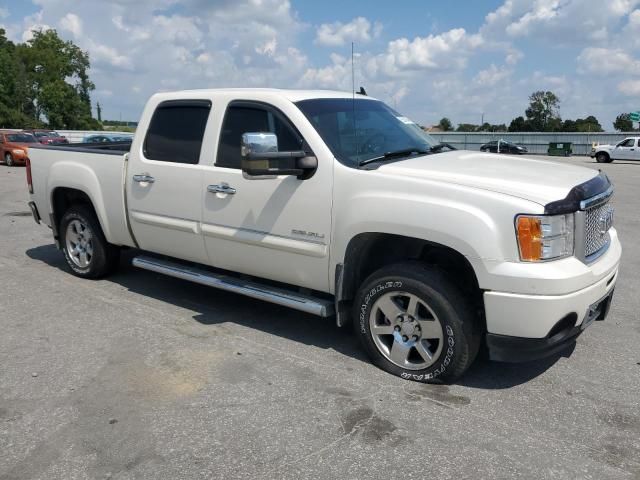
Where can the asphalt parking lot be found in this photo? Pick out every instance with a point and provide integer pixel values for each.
(144, 376)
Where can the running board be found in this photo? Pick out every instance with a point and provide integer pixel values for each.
(279, 296)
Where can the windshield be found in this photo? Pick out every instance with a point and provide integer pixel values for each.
(22, 138)
(362, 129)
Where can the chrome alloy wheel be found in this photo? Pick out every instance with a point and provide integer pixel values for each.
(406, 331)
(78, 239)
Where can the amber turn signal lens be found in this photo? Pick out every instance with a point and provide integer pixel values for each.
(530, 238)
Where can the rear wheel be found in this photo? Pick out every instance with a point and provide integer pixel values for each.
(85, 248)
(8, 159)
(602, 157)
(414, 323)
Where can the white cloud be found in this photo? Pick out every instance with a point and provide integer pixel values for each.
(601, 60)
(630, 88)
(491, 76)
(447, 51)
(71, 23)
(137, 48)
(557, 21)
(357, 30)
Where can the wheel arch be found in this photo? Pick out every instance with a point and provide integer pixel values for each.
(63, 198)
(368, 252)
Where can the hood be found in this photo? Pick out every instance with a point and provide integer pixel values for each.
(539, 181)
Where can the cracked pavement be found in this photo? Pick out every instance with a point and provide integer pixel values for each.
(141, 376)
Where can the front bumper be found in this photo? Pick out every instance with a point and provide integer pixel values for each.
(505, 348)
(526, 326)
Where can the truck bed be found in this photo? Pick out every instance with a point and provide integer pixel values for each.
(90, 168)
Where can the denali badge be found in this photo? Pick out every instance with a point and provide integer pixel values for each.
(605, 222)
(318, 236)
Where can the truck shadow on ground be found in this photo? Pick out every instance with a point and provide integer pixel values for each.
(215, 307)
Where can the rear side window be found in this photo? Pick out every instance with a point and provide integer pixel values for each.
(243, 119)
(176, 131)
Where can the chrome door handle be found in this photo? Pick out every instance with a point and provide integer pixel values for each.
(143, 178)
(222, 188)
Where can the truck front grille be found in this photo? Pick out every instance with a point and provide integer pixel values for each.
(598, 221)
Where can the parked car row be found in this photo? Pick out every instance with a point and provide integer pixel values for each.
(47, 137)
(14, 144)
(107, 137)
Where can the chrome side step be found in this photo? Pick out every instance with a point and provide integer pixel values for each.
(279, 296)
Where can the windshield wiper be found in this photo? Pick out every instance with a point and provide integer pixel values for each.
(438, 148)
(398, 153)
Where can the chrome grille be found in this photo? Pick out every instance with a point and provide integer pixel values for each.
(598, 221)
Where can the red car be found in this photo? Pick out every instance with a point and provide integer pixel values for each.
(14, 146)
(47, 137)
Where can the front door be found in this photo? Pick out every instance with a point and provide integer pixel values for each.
(163, 181)
(276, 228)
(626, 150)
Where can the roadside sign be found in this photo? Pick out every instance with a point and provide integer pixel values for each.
(635, 116)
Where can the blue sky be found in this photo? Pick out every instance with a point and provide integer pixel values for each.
(427, 58)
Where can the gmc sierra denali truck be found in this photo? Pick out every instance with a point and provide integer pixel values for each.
(334, 204)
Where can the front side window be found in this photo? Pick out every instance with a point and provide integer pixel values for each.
(240, 119)
(176, 131)
(360, 129)
(627, 143)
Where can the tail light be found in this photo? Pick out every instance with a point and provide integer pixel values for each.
(29, 179)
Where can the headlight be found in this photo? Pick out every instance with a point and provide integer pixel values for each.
(18, 151)
(544, 237)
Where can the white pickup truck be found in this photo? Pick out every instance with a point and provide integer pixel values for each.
(627, 149)
(335, 204)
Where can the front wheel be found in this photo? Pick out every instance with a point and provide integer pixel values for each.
(85, 248)
(603, 158)
(414, 323)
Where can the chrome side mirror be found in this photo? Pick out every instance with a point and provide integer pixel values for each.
(262, 159)
(258, 142)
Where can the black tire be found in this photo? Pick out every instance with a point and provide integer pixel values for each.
(8, 159)
(104, 256)
(602, 157)
(460, 331)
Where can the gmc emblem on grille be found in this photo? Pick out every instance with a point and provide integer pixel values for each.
(605, 222)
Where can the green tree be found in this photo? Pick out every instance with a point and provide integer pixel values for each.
(45, 81)
(467, 127)
(12, 86)
(623, 123)
(488, 127)
(543, 112)
(445, 124)
(518, 124)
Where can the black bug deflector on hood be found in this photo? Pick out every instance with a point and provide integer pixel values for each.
(598, 185)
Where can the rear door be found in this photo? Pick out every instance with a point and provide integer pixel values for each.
(164, 179)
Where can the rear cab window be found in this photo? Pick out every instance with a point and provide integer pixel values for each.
(176, 131)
